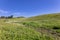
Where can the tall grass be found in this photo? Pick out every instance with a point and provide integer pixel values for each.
(21, 33)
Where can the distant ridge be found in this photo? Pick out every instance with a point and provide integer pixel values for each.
(45, 17)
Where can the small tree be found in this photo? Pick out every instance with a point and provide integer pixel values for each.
(10, 16)
(2, 16)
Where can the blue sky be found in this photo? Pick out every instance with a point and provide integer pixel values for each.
(28, 7)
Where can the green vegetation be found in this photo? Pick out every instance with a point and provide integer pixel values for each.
(44, 27)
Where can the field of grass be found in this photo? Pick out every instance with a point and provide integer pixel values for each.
(44, 27)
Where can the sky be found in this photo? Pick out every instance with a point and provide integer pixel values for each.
(28, 8)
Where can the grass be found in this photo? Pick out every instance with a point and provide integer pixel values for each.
(14, 32)
(44, 27)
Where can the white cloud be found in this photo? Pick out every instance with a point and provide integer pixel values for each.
(17, 13)
(8, 13)
(3, 11)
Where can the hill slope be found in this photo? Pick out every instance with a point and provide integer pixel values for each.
(45, 17)
(44, 27)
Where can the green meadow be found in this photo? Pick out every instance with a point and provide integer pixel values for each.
(41, 27)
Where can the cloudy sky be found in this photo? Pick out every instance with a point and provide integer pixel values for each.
(28, 7)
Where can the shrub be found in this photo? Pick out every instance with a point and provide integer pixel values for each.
(56, 27)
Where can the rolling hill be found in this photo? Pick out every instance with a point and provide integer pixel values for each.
(42, 27)
(53, 16)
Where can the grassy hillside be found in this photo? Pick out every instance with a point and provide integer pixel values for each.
(55, 16)
(42, 27)
(14, 31)
(51, 21)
